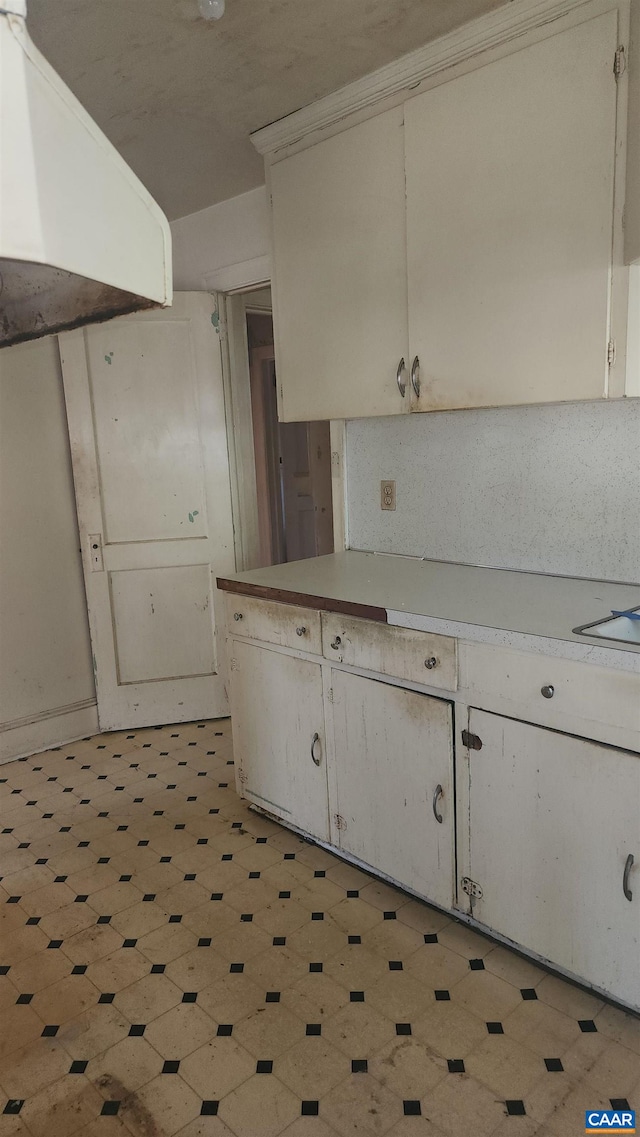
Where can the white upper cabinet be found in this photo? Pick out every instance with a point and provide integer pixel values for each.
(510, 176)
(340, 286)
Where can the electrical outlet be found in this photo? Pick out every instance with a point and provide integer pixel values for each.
(387, 495)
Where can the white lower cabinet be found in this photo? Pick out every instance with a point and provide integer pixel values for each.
(554, 845)
(278, 735)
(393, 771)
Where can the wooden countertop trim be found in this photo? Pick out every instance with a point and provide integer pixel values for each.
(320, 603)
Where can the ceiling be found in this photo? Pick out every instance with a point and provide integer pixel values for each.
(179, 96)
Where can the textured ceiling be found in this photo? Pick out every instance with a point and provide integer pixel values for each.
(179, 96)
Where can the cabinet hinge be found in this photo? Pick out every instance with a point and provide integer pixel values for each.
(330, 694)
(619, 62)
(340, 821)
(471, 741)
(471, 887)
(611, 353)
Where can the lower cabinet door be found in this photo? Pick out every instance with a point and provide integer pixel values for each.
(393, 767)
(278, 735)
(554, 821)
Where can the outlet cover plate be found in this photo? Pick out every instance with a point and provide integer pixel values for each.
(387, 494)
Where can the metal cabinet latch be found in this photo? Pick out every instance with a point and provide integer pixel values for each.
(471, 887)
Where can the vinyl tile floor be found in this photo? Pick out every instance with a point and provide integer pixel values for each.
(172, 963)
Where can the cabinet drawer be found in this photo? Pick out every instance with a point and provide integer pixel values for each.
(419, 657)
(553, 692)
(282, 624)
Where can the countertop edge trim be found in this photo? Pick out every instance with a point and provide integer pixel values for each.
(304, 599)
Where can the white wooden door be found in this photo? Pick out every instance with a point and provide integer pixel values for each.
(553, 820)
(509, 225)
(394, 772)
(148, 441)
(278, 735)
(340, 284)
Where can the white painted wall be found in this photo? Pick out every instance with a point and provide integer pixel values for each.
(225, 246)
(550, 489)
(46, 677)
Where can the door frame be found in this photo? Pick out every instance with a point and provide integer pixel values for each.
(232, 308)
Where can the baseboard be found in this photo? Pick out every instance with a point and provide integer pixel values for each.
(51, 728)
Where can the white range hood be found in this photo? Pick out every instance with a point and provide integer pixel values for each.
(81, 240)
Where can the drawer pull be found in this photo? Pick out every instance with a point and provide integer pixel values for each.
(625, 877)
(431, 662)
(314, 740)
(237, 616)
(400, 380)
(302, 631)
(335, 644)
(437, 793)
(547, 691)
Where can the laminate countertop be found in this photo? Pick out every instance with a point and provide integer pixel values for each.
(527, 611)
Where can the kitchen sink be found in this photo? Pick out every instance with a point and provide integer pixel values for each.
(624, 627)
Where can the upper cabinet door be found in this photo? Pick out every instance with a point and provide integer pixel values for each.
(510, 174)
(340, 287)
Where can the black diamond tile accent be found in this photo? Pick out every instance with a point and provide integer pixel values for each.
(455, 1065)
(4, 970)
(137, 1030)
(279, 941)
(205, 841)
(495, 1028)
(317, 915)
(104, 920)
(411, 1107)
(190, 876)
(442, 996)
(50, 1032)
(359, 1066)
(476, 964)
(109, 1108)
(315, 967)
(82, 899)
(209, 1108)
(587, 1026)
(190, 997)
(129, 943)
(389, 915)
(127, 876)
(78, 1067)
(158, 969)
(54, 944)
(352, 893)
(395, 965)
(59, 880)
(236, 968)
(226, 857)
(79, 969)
(142, 844)
(619, 1103)
(320, 872)
(14, 900)
(246, 917)
(287, 856)
(264, 1066)
(149, 897)
(107, 997)
(165, 860)
(515, 1107)
(314, 1029)
(225, 1030)
(204, 941)
(33, 920)
(175, 919)
(356, 996)
(42, 860)
(170, 1067)
(24, 999)
(272, 997)
(14, 1105)
(309, 1109)
(403, 1028)
(554, 1065)
(217, 895)
(284, 895)
(355, 939)
(103, 860)
(528, 994)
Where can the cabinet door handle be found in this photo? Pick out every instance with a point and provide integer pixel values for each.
(437, 793)
(431, 662)
(335, 644)
(314, 741)
(302, 631)
(625, 877)
(237, 616)
(400, 380)
(415, 376)
(548, 691)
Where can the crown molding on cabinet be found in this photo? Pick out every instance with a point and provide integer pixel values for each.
(498, 27)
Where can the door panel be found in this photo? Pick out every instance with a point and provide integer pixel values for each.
(340, 286)
(148, 437)
(277, 710)
(509, 219)
(553, 819)
(393, 747)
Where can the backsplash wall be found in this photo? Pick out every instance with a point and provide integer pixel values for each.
(550, 489)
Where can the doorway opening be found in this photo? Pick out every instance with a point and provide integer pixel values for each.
(291, 461)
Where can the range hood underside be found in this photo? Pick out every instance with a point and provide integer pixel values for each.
(37, 300)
